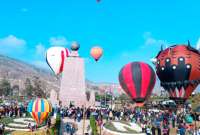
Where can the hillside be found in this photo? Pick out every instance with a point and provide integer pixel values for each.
(17, 72)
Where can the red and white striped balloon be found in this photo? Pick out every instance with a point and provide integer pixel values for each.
(55, 57)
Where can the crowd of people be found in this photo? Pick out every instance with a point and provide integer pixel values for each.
(152, 121)
(16, 110)
(12, 110)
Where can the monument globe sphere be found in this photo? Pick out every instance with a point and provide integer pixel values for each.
(75, 46)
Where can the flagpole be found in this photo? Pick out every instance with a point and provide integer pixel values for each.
(84, 119)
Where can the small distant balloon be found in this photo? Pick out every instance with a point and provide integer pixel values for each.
(55, 57)
(75, 46)
(96, 52)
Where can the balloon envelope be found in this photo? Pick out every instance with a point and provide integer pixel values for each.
(39, 109)
(75, 46)
(55, 57)
(137, 79)
(96, 52)
(179, 71)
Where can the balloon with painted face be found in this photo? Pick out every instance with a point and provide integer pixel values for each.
(55, 57)
(178, 68)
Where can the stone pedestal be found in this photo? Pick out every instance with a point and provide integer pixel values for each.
(73, 82)
(91, 101)
(54, 98)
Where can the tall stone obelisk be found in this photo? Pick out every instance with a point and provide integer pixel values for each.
(72, 90)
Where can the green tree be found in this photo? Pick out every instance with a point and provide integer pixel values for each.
(93, 125)
(39, 88)
(102, 97)
(5, 88)
(97, 96)
(124, 99)
(87, 95)
(28, 88)
(15, 90)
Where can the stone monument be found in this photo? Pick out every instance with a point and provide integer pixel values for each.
(72, 90)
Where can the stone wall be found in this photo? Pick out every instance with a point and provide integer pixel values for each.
(73, 82)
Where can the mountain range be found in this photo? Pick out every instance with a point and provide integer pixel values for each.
(16, 72)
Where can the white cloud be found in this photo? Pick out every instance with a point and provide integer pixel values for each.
(12, 41)
(150, 40)
(198, 44)
(127, 54)
(40, 49)
(58, 41)
(24, 10)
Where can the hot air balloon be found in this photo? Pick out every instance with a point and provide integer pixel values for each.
(96, 52)
(75, 46)
(178, 68)
(55, 57)
(39, 109)
(137, 79)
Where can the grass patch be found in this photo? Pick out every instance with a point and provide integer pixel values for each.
(110, 126)
(29, 120)
(124, 122)
(40, 132)
(130, 130)
(6, 120)
(54, 130)
(17, 127)
(19, 123)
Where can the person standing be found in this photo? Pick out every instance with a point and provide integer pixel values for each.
(173, 121)
(2, 128)
(148, 130)
(182, 130)
(110, 115)
(153, 130)
(49, 122)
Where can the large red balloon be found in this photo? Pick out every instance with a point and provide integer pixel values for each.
(137, 79)
(178, 68)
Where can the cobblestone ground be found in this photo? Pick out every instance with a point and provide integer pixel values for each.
(79, 126)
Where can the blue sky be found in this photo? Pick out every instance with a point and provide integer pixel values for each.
(127, 30)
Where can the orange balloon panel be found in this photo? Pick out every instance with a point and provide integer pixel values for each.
(96, 52)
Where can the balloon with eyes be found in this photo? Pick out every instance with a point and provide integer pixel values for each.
(178, 68)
